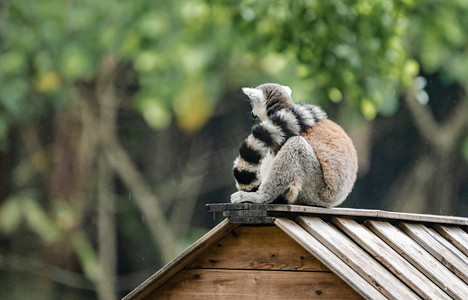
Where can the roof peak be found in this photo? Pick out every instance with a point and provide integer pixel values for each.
(249, 213)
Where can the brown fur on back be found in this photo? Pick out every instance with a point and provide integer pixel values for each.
(336, 154)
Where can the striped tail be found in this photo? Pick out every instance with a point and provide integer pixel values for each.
(271, 135)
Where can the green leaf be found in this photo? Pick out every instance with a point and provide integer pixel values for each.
(86, 255)
(368, 109)
(193, 106)
(12, 62)
(77, 63)
(410, 71)
(335, 95)
(12, 96)
(130, 44)
(389, 105)
(147, 61)
(39, 221)
(154, 25)
(155, 114)
(67, 216)
(10, 214)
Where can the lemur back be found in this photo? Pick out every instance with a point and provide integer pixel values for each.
(337, 156)
(312, 160)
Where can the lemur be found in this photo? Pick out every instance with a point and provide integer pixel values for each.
(295, 155)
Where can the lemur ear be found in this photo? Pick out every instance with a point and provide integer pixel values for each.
(253, 94)
(287, 89)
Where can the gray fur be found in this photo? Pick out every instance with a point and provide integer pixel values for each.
(295, 174)
(278, 159)
(281, 125)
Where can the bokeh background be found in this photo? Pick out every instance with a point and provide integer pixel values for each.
(119, 121)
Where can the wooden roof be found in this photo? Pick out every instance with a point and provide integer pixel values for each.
(379, 254)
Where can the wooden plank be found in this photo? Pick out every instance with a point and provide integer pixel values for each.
(329, 259)
(439, 247)
(258, 248)
(456, 235)
(254, 284)
(169, 270)
(420, 258)
(245, 213)
(390, 259)
(274, 209)
(252, 220)
(357, 258)
(366, 213)
(221, 207)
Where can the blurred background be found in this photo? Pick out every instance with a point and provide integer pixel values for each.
(119, 121)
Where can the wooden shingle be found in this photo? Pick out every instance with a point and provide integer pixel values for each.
(298, 252)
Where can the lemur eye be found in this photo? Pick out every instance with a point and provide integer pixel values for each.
(254, 116)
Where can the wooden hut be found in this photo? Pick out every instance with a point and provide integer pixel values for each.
(300, 252)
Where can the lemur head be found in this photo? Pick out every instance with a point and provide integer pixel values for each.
(268, 98)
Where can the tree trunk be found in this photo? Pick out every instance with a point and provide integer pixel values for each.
(431, 186)
(107, 243)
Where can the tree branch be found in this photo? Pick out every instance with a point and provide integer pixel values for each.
(30, 265)
(20, 263)
(148, 203)
(189, 187)
(442, 137)
(423, 119)
(457, 123)
(107, 246)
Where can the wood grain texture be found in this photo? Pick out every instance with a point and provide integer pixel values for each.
(439, 247)
(329, 259)
(287, 209)
(358, 259)
(382, 252)
(267, 248)
(293, 260)
(456, 235)
(420, 258)
(254, 284)
(169, 270)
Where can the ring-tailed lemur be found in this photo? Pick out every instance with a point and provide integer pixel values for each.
(295, 154)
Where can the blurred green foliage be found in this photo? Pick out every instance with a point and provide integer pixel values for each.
(437, 39)
(441, 45)
(184, 52)
(349, 50)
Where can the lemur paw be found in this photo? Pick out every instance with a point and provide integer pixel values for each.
(241, 196)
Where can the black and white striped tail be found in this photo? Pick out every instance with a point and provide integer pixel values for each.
(271, 135)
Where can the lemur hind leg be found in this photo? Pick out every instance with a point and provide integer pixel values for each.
(295, 175)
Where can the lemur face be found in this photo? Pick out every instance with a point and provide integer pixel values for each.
(257, 100)
(268, 98)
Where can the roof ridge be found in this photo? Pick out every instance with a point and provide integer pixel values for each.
(265, 213)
